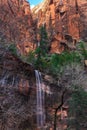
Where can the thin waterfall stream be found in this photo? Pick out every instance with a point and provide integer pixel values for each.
(40, 100)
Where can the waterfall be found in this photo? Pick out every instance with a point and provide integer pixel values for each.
(40, 100)
(3, 79)
(7, 79)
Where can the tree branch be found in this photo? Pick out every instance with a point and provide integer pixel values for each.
(56, 109)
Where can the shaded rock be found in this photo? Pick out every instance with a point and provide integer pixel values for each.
(17, 24)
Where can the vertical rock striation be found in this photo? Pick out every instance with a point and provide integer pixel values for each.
(65, 21)
(16, 24)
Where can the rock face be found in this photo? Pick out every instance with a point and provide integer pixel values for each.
(83, 15)
(65, 20)
(16, 108)
(63, 17)
(18, 95)
(16, 24)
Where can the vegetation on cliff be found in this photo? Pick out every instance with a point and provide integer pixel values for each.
(67, 71)
(59, 24)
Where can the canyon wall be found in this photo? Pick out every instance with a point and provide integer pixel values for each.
(65, 22)
(16, 24)
(18, 94)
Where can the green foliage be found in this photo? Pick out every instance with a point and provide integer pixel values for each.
(39, 52)
(54, 63)
(37, 61)
(43, 33)
(78, 107)
(12, 48)
(58, 62)
(31, 57)
(83, 47)
(41, 63)
(65, 58)
(44, 41)
(38, 57)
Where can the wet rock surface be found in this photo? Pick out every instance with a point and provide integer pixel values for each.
(16, 104)
(65, 23)
(18, 95)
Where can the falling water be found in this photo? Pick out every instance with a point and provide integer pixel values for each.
(40, 100)
(3, 79)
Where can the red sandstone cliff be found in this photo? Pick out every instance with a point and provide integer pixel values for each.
(16, 24)
(65, 22)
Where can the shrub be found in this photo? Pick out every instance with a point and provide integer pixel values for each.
(43, 42)
(12, 48)
(31, 57)
(78, 108)
(83, 47)
(65, 58)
